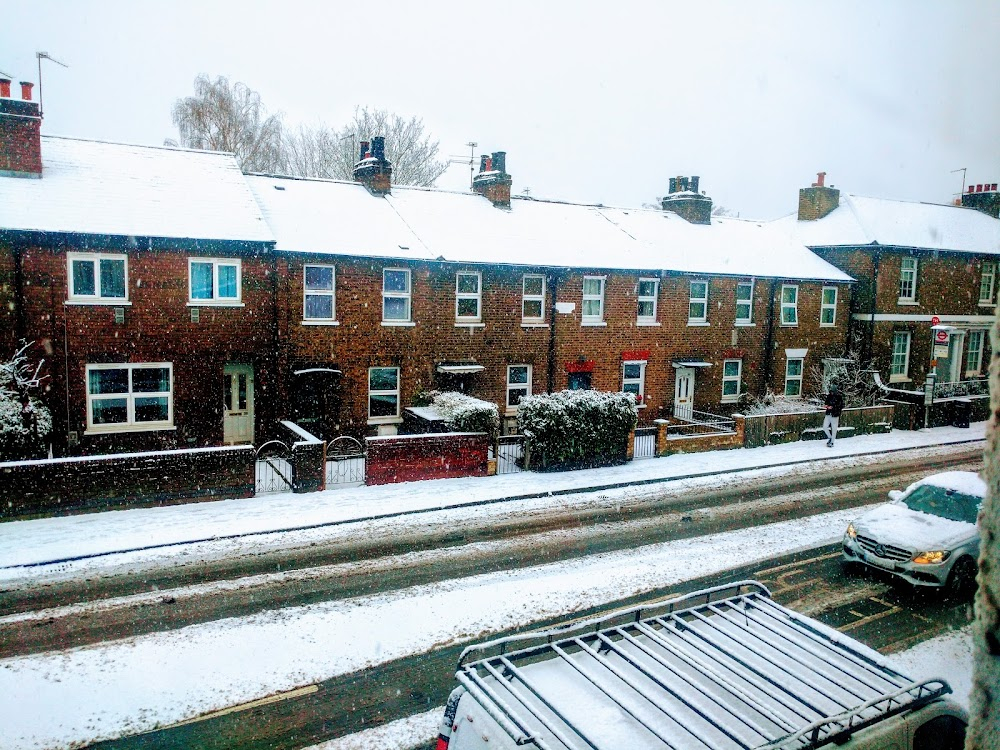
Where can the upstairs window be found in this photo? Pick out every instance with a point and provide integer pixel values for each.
(383, 394)
(974, 355)
(698, 302)
(647, 293)
(828, 307)
(468, 297)
(319, 301)
(900, 367)
(789, 305)
(518, 385)
(593, 300)
(793, 377)
(908, 280)
(744, 303)
(396, 295)
(634, 379)
(214, 280)
(987, 283)
(124, 397)
(732, 386)
(97, 278)
(533, 298)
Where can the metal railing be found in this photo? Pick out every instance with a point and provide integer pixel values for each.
(702, 423)
(645, 442)
(977, 387)
(345, 462)
(273, 472)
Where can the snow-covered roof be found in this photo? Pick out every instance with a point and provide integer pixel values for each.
(863, 221)
(334, 217)
(94, 187)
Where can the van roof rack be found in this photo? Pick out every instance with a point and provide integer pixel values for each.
(725, 667)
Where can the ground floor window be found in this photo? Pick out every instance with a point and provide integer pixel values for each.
(793, 377)
(129, 396)
(518, 384)
(383, 394)
(634, 379)
(579, 381)
(732, 371)
(900, 364)
(974, 354)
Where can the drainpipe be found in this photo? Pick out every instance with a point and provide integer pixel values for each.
(552, 334)
(769, 339)
(870, 337)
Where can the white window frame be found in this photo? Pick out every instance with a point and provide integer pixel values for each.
(789, 378)
(974, 355)
(641, 298)
(215, 299)
(540, 298)
(791, 307)
(593, 320)
(406, 294)
(477, 296)
(898, 375)
(388, 418)
(640, 381)
(908, 269)
(694, 300)
(737, 378)
(830, 307)
(129, 425)
(987, 283)
(331, 293)
(97, 298)
(748, 320)
(526, 386)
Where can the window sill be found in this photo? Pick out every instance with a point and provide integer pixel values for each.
(990, 305)
(789, 325)
(127, 428)
(972, 374)
(744, 324)
(647, 324)
(907, 302)
(900, 379)
(702, 323)
(385, 420)
(469, 325)
(211, 303)
(398, 323)
(593, 324)
(320, 323)
(827, 325)
(510, 412)
(730, 399)
(534, 325)
(99, 302)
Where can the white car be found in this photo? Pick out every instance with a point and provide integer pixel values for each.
(926, 535)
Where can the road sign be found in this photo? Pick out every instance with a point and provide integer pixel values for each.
(941, 337)
(935, 320)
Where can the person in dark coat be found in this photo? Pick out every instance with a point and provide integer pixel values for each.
(834, 406)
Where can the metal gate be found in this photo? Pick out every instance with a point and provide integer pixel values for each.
(273, 468)
(345, 462)
(510, 454)
(645, 442)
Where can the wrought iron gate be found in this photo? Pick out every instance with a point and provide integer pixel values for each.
(645, 442)
(510, 454)
(345, 462)
(273, 468)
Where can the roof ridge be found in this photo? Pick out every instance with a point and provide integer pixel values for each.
(161, 147)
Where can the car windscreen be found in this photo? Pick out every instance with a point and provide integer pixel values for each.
(939, 501)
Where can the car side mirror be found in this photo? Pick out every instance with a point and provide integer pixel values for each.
(895, 495)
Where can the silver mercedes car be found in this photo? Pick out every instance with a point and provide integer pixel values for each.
(926, 534)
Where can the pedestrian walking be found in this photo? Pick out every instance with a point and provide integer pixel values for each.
(834, 406)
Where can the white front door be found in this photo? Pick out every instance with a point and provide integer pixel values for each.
(684, 392)
(949, 369)
(237, 397)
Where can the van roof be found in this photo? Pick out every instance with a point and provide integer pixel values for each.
(722, 668)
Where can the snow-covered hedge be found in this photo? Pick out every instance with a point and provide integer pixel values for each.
(576, 428)
(23, 429)
(771, 403)
(467, 414)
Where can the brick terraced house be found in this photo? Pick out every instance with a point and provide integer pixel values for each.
(927, 279)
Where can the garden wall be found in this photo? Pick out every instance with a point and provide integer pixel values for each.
(770, 429)
(63, 485)
(409, 458)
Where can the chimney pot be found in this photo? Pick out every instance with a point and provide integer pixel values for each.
(364, 150)
(5, 88)
(694, 184)
(26, 87)
(500, 161)
(378, 147)
(993, 186)
(482, 162)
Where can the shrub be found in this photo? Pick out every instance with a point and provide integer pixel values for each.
(770, 403)
(24, 428)
(576, 428)
(467, 414)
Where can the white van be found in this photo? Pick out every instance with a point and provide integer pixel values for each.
(722, 668)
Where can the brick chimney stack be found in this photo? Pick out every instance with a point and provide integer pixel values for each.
(493, 182)
(983, 197)
(685, 201)
(373, 170)
(817, 201)
(20, 133)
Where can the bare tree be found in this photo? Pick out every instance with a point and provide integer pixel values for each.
(319, 151)
(984, 700)
(224, 116)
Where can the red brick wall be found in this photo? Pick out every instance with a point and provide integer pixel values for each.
(416, 457)
(20, 137)
(8, 303)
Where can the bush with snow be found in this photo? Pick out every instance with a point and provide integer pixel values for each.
(576, 428)
(24, 427)
(771, 403)
(467, 414)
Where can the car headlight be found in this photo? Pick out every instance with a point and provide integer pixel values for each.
(851, 531)
(931, 557)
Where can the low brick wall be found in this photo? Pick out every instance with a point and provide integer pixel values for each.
(411, 458)
(771, 429)
(62, 486)
(666, 446)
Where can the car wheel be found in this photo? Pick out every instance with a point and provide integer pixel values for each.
(962, 579)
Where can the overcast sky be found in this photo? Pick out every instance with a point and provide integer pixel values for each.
(598, 102)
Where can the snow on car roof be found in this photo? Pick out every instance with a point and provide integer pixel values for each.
(96, 187)
(966, 482)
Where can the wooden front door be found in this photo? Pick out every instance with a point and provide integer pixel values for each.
(237, 396)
